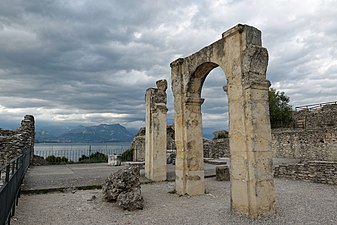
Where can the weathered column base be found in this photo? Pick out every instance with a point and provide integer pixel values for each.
(158, 175)
(194, 183)
(259, 206)
(252, 192)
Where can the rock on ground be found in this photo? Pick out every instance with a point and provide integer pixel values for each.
(124, 188)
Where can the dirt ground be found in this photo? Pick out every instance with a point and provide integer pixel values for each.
(297, 203)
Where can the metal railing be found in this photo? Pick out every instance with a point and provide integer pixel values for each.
(314, 106)
(11, 177)
(73, 153)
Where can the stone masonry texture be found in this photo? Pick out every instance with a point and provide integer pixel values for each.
(12, 142)
(315, 141)
(314, 171)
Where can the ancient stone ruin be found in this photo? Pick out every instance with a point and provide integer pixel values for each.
(314, 136)
(216, 148)
(13, 142)
(315, 139)
(324, 172)
(239, 53)
(317, 116)
(155, 138)
(124, 188)
(138, 145)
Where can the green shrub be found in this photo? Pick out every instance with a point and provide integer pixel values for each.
(127, 155)
(56, 160)
(93, 158)
(220, 136)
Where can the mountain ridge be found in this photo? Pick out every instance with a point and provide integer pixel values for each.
(102, 133)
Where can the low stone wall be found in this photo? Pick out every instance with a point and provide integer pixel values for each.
(313, 171)
(216, 148)
(212, 148)
(138, 143)
(292, 143)
(12, 142)
(319, 144)
(138, 148)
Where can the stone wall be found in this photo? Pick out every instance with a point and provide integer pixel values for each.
(315, 140)
(212, 148)
(12, 142)
(138, 143)
(216, 148)
(294, 143)
(319, 144)
(286, 143)
(323, 117)
(313, 171)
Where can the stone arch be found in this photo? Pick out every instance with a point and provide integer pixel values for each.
(198, 78)
(244, 61)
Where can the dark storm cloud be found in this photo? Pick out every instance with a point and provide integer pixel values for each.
(91, 61)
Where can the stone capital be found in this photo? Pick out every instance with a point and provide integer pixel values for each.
(161, 107)
(161, 85)
(260, 85)
(194, 101)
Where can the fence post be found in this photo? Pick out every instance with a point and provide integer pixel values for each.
(32, 155)
(17, 164)
(8, 167)
(13, 167)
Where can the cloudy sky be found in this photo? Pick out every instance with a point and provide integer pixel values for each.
(91, 61)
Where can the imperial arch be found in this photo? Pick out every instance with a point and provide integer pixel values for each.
(239, 53)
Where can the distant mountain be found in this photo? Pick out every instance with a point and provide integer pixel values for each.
(85, 134)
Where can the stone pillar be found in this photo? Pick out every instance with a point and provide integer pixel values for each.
(190, 160)
(252, 185)
(155, 134)
(252, 191)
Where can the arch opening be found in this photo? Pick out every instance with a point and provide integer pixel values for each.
(198, 78)
(215, 107)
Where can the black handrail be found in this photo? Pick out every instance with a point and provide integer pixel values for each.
(11, 177)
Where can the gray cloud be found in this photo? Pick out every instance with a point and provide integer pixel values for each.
(91, 61)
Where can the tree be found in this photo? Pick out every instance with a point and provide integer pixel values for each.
(279, 109)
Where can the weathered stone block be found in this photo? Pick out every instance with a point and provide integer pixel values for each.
(124, 188)
(114, 160)
(222, 173)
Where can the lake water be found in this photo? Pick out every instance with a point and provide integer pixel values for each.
(73, 151)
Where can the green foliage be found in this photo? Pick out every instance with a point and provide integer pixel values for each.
(93, 158)
(279, 109)
(53, 160)
(127, 155)
(220, 134)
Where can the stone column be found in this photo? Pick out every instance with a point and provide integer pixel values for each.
(252, 184)
(190, 160)
(155, 135)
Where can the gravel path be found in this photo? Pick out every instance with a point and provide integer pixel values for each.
(297, 203)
